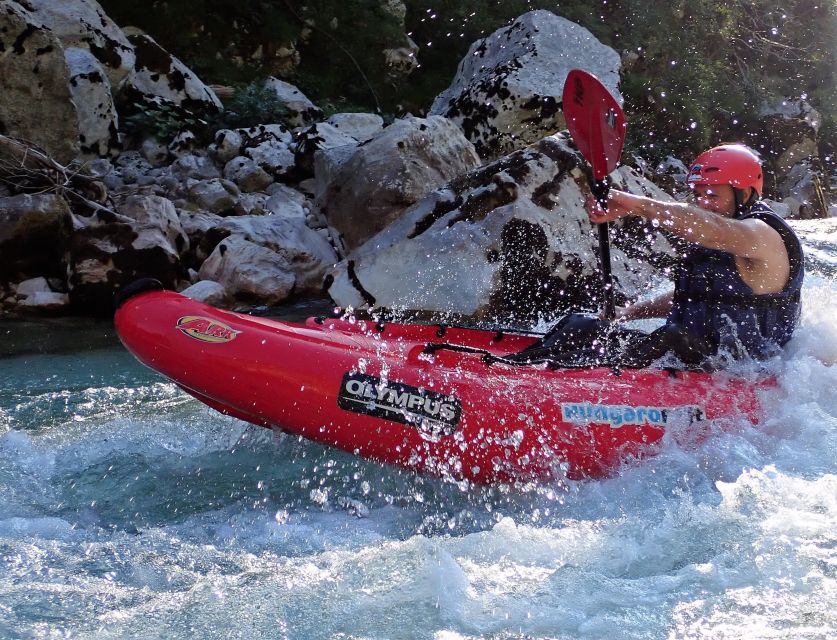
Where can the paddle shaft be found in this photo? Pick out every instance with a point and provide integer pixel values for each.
(600, 189)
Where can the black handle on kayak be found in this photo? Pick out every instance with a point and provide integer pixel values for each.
(600, 189)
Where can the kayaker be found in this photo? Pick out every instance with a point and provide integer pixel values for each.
(738, 288)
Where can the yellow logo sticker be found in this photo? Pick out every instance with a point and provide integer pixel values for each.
(206, 329)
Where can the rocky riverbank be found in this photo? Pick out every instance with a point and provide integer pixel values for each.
(476, 208)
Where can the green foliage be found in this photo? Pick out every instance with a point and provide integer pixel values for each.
(251, 105)
(162, 122)
(704, 71)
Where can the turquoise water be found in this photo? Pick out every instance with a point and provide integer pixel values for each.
(128, 509)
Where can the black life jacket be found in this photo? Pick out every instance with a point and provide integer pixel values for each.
(711, 300)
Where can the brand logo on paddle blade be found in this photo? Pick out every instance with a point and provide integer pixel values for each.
(433, 414)
(206, 329)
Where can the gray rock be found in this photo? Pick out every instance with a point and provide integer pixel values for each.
(91, 91)
(247, 174)
(249, 272)
(397, 168)
(320, 137)
(195, 167)
(507, 90)
(302, 110)
(83, 24)
(306, 254)
(360, 126)
(158, 73)
(32, 51)
(509, 241)
(208, 292)
(216, 196)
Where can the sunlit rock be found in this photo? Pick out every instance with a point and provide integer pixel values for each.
(507, 89)
(360, 126)
(159, 74)
(90, 88)
(33, 71)
(509, 240)
(306, 254)
(208, 292)
(84, 24)
(397, 168)
(250, 273)
(36, 296)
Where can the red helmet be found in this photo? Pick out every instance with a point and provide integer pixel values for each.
(733, 164)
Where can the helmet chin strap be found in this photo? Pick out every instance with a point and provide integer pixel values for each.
(742, 205)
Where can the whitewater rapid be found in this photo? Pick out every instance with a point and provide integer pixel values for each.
(127, 509)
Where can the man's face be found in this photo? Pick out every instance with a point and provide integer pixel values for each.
(718, 198)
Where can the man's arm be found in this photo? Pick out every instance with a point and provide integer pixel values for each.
(753, 239)
(658, 307)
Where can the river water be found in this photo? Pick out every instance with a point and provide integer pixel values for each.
(129, 510)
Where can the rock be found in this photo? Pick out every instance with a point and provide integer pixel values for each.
(83, 24)
(305, 252)
(35, 295)
(209, 292)
(33, 71)
(91, 92)
(216, 196)
(397, 168)
(155, 152)
(402, 61)
(507, 90)
(802, 190)
(155, 214)
(158, 73)
(510, 240)
(195, 167)
(287, 203)
(320, 137)
(250, 273)
(252, 204)
(274, 157)
(360, 126)
(247, 174)
(110, 250)
(228, 144)
(302, 110)
(35, 231)
(183, 143)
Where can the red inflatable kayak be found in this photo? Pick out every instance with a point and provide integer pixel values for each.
(423, 397)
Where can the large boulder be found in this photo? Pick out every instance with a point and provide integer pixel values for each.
(507, 90)
(301, 111)
(306, 253)
(109, 250)
(397, 168)
(509, 240)
(249, 273)
(91, 90)
(83, 24)
(790, 128)
(159, 74)
(33, 71)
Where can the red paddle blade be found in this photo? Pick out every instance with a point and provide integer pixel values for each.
(595, 120)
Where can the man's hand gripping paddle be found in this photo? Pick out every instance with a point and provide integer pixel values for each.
(597, 125)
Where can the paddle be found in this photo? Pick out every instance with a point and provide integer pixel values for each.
(597, 125)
